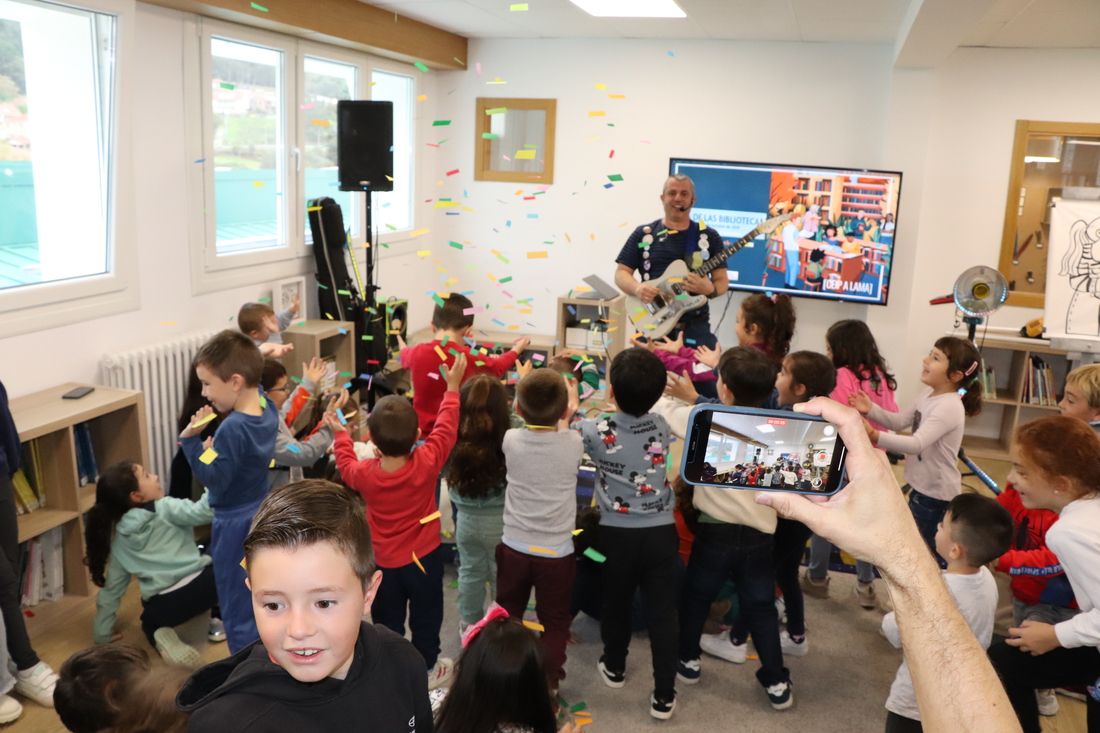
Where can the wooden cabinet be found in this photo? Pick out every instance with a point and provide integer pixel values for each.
(989, 435)
(603, 323)
(115, 421)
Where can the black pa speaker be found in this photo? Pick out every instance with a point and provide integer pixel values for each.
(364, 147)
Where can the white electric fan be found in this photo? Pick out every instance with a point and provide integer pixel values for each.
(978, 292)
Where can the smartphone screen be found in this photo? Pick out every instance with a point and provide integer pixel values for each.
(762, 450)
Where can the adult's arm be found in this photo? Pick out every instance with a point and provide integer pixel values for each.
(624, 279)
(956, 686)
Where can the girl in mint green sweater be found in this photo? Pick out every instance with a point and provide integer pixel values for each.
(133, 530)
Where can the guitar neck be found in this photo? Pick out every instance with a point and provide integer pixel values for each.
(720, 259)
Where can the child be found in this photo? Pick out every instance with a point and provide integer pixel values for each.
(181, 483)
(113, 687)
(804, 375)
(1082, 396)
(318, 665)
(133, 529)
(292, 402)
(1056, 466)
(950, 395)
(975, 530)
(763, 323)
(581, 367)
(398, 487)
(499, 682)
(292, 455)
(734, 540)
(259, 323)
(539, 511)
(859, 368)
(680, 359)
(476, 483)
(637, 530)
(234, 466)
(815, 269)
(452, 324)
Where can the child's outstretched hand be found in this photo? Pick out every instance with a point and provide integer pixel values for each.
(523, 368)
(573, 402)
(455, 373)
(337, 401)
(644, 344)
(194, 428)
(860, 401)
(521, 344)
(276, 351)
(334, 423)
(680, 387)
(709, 356)
(295, 306)
(672, 346)
(314, 371)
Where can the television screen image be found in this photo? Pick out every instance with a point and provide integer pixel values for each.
(760, 452)
(838, 243)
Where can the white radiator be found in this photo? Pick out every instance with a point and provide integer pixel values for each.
(161, 373)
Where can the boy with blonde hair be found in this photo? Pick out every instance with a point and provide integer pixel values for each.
(1082, 396)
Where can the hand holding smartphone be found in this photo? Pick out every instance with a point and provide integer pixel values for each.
(762, 450)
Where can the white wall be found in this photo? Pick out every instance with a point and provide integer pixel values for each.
(71, 353)
(732, 101)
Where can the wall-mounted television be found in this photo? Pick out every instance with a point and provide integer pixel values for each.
(804, 257)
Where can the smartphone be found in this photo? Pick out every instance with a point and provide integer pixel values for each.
(77, 393)
(762, 450)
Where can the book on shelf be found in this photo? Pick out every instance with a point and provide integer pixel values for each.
(26, 500)
(85, 455)
(43, 569)
(1039, 389)
(988, 379)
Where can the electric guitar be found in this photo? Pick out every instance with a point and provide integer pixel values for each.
(658, 317)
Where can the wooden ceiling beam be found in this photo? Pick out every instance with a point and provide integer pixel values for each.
(347, 23)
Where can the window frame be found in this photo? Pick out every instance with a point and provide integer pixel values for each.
(390, 67)
(39, 306)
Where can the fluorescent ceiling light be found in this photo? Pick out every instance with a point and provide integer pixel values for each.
(631, 8)
(765, 428)
(1041, 159)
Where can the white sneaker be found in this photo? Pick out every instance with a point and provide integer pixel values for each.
(440, 675)
(1048, 702)
(174, 650)
(37, 684)
(215, 633)
(719, 645)
(10, 709)
(792, 648)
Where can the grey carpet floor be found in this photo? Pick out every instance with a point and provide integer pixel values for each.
(839, 686)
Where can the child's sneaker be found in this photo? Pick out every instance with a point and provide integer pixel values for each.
(815, 588)
(781, 695)
(216, 631)
(173, 650)
(610, 678)
(792, 647)
(660, 708)
(10, 709)
(720, 645)
(37, 684)
(687, 671)
(440, 674)
(865, 594)
(1048, 702)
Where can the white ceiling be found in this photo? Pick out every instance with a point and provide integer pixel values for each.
(1007, 23)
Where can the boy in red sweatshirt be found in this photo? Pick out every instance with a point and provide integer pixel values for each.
(398, 486)
(452, 324)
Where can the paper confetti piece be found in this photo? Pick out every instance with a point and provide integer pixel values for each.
(496, 110)
(340, 416)
(244, 561)
(534, 626)
(540, 550)
(418, 232)
(525, 154)
(417, 561)
(596, 113)
(616, 96)
(578, 707)
(577, 531)
(208, 456)
(439, 351)
(539, 255)
(422, 66)
(615, 177)
(293, 448)
(456, 245)
(490, 136)
(263, 402)
(257, 6)
(318, 122)
(496, 81)
(518, 8)
(431, 517)
(452, 173)
(594, 555)
(440, 123)
(257, 184)
(227, 85)
(204, 421)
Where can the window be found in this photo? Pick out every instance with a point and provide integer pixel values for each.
(325, 83)
(393, 209)
(56, 123)
(268, 144)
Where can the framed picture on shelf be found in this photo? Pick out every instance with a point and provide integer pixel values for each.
(285, 292)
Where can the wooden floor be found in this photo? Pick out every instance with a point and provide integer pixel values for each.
(56, 639)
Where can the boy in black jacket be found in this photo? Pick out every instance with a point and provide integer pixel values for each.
(317, 666)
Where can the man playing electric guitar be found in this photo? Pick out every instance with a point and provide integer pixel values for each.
(651, 248)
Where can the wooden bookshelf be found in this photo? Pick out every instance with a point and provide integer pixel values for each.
(1011, 359)
(330, 340)
(603, 320)
(115, 420)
